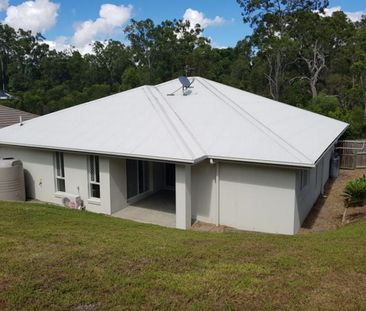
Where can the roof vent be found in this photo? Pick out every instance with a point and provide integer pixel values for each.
(186, 84)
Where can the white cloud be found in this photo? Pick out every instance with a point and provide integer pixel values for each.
(353, 16)
(62, 44)
(86, 49)
(4, 5)
(196, 17)
(59, 44)
(37, 15)
(111, 17)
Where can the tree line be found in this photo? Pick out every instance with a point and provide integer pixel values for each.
(295, 55)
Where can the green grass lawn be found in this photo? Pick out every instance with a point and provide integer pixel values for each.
(52, 258)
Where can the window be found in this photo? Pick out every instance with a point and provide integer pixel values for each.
(59, 172)
(94, 178)
(304, 179)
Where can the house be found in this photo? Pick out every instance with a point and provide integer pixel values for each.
(10, 116)
(231, 157)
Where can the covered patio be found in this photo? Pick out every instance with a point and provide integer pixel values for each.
(157, 209)
(156, 193)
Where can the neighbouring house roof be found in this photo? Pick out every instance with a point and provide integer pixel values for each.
(213, 121)
(10, 116)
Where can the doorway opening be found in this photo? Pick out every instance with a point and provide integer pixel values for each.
(150, 193)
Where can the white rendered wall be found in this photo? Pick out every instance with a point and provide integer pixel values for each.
(183, 209)
(204, 192)
(39, 174)
(40, 178)
(117, 184)
(257, 198)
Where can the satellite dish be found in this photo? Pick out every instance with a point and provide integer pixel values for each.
(186, 84)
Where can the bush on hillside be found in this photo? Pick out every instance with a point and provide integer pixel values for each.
(354, 194)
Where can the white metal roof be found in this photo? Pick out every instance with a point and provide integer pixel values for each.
(213, 121)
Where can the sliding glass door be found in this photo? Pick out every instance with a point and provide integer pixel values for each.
(137, 177)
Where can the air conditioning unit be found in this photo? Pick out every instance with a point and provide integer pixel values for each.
(73, 201)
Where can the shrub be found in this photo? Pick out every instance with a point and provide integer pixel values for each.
(355, 192)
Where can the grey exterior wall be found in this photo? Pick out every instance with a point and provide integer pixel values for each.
(306, 197)
(247, 197)
(117, 184)
(257, 198)
(40, 178)
(203, 192)
(254, 197)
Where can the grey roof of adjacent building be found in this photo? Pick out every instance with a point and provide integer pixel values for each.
(213, 121)
(10, 116)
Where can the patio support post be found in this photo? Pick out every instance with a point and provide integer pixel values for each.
(183, 196)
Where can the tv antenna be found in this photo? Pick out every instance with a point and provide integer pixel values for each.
(188, 69)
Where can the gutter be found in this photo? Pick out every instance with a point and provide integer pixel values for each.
(161, 159)
(264, 162)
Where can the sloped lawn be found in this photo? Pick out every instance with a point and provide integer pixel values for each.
(57, 259)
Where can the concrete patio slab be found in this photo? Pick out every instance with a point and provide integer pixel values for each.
(158, 209)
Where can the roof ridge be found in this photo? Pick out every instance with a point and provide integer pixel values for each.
(163, 115)
(182, 122)
(260, 125)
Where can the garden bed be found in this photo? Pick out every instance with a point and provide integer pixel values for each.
(327, 212)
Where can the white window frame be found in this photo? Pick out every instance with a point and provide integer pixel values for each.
(59, 168)
(93, 175)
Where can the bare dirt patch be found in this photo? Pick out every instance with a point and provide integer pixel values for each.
(206, 227)
(327, 212)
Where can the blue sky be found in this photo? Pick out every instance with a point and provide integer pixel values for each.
(78, 22)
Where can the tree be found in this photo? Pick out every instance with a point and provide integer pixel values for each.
(7, 50)
(313, 45)
(270, 19)
(256, 12)
(358, 67)
(277, 50)
(140, 35)
(112, 58)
